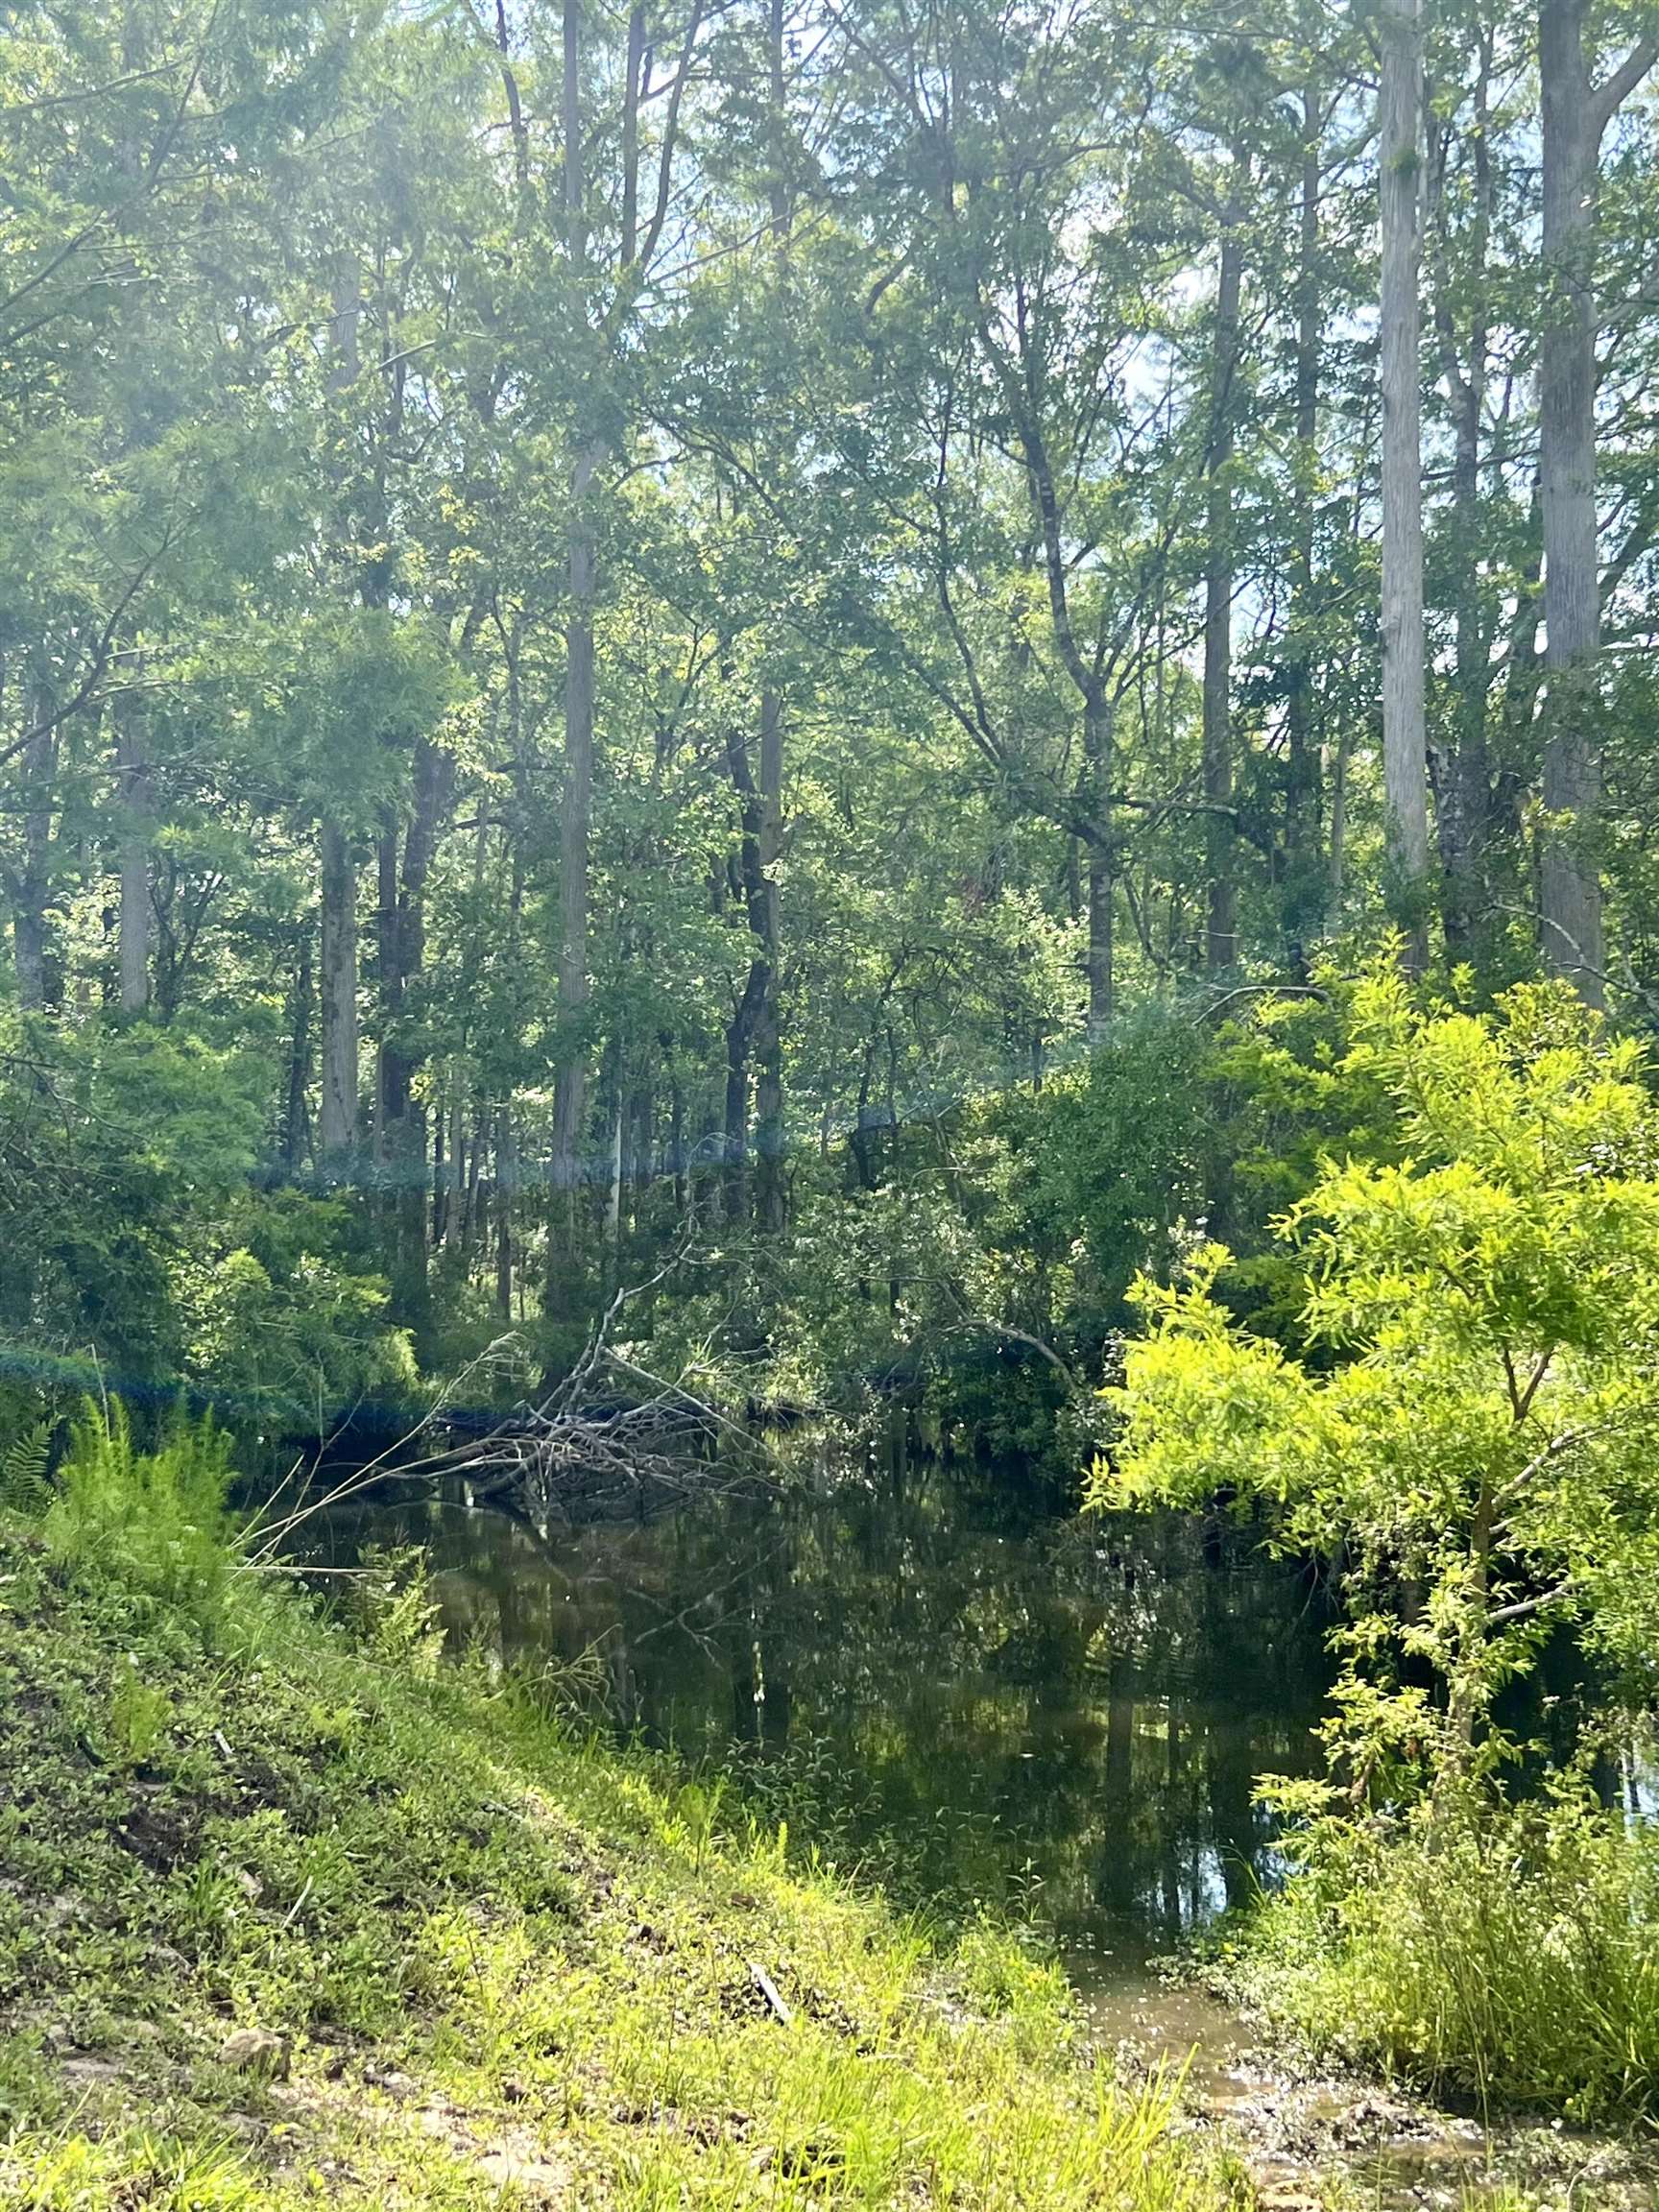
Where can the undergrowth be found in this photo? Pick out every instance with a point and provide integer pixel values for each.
(509, 1966)
(1505, 1955)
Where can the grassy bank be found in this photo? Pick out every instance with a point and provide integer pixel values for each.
(493, 1963)
(1504, 1956)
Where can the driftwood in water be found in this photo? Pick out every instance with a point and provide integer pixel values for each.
(609, 1431)
(541, 1457)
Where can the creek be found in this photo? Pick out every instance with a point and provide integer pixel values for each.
(927, 1669)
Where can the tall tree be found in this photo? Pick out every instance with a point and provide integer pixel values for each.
(1221, 935)
(1404, 738)
(1575, 114)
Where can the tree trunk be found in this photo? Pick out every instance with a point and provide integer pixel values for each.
(1101, 864)
(402, 930)
(506, 1189)
(337, 1122)
(1305, 894)
(755, 1029)
(296, 1120)
(1463, 781)
(576, 810)
(734, 1145)
(1404, 769)
(1221, 935)
(32, 884)
(1570, 888)
(134, 848)
(1575, 115)
(337, 979)
(614, 1173)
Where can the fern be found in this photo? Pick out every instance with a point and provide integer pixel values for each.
(152, 1521)
(23, 1485)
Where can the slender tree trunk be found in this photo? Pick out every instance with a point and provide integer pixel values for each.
(676, 1165)
(31, 886)
(613, 1175)
(296, 1120)
(734, 1145)
(457, 1196)
(769, 1032)
(575, 831)
(1570, 890)
(755, 1029)
(1464, 780)
(337, 966)
(763, 905)
(337, 1120)
(1101, 865)
(1405, 766)
(474, 1222)
(402, 930)
(506, 1191)
(1403, 649)
(1221, 934)
(134, 850)
(1575, 115)
(1304, 897)
(576, 810)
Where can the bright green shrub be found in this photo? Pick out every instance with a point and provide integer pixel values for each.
(152, 1522)
(1508, 1954)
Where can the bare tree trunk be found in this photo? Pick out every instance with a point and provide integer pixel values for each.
(1404, 765)
(1571, 892)
(1575, 113)
(296, 1120)
(403, 923)
(676, 1164)
(1464, 779)
(337, 1122)
(614, 1172)
(1306, 898)
(337, 978)
(506, 1190)
(31, 886)
(769, 1183)
(755, 1025)
(1221, 935)
(576, 812)
(1101, 865)
(457, 1193)
(134, 848)
(734, 1145)
(769, 1033)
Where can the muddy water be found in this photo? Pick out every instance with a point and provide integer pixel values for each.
(1315, 2140)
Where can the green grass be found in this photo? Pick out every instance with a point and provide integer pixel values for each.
(1507, 1955)
(514, 1967)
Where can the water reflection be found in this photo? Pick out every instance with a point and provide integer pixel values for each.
(918, 1670)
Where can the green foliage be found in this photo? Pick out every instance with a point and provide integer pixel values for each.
(151, 1521)
(23, 1485)
(452, 1906)
(1472, 1430)
(1486, 1432)
(395, 1612)
(1510, 1957)
(138, 1247)
(140, 1713)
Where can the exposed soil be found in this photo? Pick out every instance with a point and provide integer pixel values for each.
(1320, 2141)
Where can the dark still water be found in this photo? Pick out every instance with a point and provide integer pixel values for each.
(926, 1674)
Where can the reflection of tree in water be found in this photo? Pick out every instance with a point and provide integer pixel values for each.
(911, 1671)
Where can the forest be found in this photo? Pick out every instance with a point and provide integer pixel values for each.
(830, 868)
